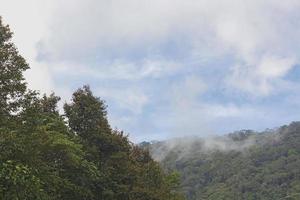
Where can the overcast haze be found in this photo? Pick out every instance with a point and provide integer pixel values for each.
(167, 67)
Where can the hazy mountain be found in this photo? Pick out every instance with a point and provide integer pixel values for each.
(240, 165)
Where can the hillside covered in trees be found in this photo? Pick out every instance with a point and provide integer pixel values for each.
(240, 165)
(46, 155)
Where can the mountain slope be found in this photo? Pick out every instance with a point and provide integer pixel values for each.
(241, 165)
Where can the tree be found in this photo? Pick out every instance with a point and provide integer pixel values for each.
(108, 149)
(42, 147)
(12, 84)
(129, 172)
(43, 157)
(87, 113)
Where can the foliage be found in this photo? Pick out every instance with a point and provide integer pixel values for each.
(46, 155)
(267, 169)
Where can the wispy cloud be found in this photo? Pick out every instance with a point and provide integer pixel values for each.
(169, 65)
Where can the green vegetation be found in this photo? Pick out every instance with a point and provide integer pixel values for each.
(45, 155)
(242, 165)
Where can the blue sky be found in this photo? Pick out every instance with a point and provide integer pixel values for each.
(167, 68)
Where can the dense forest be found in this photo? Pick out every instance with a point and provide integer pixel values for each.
(241, 165)
(77, 155)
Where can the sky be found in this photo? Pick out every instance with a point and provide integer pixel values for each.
(167, 68)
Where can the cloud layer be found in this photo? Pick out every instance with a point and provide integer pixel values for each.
(167, 67)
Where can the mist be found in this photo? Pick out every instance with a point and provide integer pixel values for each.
(191, 146)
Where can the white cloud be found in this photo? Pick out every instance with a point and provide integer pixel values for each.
(28, 22)
(122, 40)
(189, 114)
(120, 69)
(131, 99)
(251, 30)
(261, 78)
(272, 67)
(71, 30)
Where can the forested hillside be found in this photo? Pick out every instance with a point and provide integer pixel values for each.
(46, 155)
(241, 165)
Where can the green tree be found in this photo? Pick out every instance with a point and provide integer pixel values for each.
(45, 156)
(12, 84)
(129, 172)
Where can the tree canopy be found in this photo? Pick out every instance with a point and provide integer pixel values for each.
(76, 155)
(254, 165)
